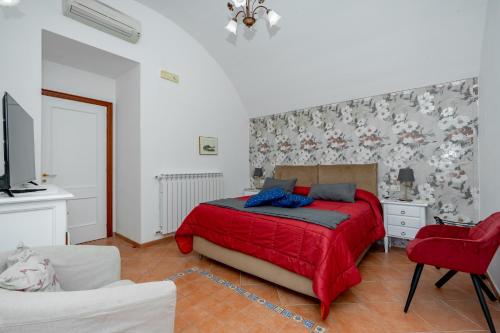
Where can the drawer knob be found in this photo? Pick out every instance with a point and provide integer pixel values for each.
(403, 233)
(403, 223)
(403, 212)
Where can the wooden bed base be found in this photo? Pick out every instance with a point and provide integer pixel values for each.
(260, 268)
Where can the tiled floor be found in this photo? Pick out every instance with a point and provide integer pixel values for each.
(375, 305)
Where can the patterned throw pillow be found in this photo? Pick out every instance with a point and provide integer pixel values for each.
(293, 201)
(265, 197)
(29, 271)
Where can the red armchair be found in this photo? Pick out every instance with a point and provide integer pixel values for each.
(468, 250)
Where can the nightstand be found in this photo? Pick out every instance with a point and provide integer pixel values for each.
(250, 191)
(403, 219)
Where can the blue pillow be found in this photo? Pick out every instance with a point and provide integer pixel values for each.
(265, 197)
(293, 201)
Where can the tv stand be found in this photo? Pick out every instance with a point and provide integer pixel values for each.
(22, 218)
(9, 193)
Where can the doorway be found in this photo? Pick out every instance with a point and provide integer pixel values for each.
(77, 155)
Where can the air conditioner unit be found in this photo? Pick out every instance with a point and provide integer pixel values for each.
(103, 17)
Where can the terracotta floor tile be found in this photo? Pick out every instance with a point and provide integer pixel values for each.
(376, 305)
(472, 310)
(290, 297)
(373, 291)
(398, 321)
(441, 316)
(355, 318)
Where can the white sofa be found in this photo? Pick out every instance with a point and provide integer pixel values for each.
(94, 297)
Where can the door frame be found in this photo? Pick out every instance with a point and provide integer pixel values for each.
(109, 147)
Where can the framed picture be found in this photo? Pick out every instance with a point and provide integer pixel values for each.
(208, 145)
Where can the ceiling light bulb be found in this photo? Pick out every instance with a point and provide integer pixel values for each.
(232, 26)
(240, 3)
(9, 2)
(273, 17)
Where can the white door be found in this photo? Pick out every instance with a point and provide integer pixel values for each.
(74, 158)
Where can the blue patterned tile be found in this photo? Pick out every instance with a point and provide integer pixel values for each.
(241, 291)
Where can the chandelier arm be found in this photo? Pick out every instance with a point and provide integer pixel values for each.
(259, 7)
(238, 14)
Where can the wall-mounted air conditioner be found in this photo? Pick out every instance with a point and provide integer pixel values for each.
(103, 17)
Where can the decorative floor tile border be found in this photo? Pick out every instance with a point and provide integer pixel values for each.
(309, 324)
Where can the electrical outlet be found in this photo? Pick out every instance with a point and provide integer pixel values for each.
(169, 76)
(395, 188)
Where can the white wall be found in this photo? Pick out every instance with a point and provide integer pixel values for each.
(127, 154)
(77, 82)
(172, 116)
(489, 123)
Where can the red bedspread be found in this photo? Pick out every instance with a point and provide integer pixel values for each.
(325, 256)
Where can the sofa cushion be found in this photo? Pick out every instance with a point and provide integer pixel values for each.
(286, 184)
(118, 283)
(265, 197)
(28, 271)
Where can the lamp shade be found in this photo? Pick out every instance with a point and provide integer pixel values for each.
(258, 172)
(232, 26)
(406, 175)
(273, 17)
(239, 3)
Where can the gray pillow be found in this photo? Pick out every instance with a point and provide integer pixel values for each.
(333, 192)
(286, 184)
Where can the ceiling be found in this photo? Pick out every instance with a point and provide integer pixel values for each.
(328, 51)
(69, 52)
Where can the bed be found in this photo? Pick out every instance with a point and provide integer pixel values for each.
(307, 258)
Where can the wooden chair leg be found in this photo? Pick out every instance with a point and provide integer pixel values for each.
(414, 283)
(442, 281)
(325, 310)
(476, 280)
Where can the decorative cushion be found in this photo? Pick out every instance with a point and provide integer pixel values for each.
(286, 184)
(333, 192)
(265, 197)
(293, 201)
(302, 190)
(29, 271)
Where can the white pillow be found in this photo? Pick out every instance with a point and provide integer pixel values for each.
(29, 271)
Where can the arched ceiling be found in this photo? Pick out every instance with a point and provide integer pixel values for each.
(328, 51)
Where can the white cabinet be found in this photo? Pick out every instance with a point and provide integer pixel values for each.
(250, 191)
(36, 219)
(403, 219)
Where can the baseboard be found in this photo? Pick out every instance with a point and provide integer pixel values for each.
(167, 238)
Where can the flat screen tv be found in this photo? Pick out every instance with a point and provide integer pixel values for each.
(18, 146)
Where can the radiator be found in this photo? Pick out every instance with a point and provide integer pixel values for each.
(179, 193)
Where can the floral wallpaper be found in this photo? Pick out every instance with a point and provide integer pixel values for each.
(432, 130)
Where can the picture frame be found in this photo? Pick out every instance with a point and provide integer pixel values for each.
(208, 145)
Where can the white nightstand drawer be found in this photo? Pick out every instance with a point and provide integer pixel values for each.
(402, 232)
(404, 221)
(403, 210)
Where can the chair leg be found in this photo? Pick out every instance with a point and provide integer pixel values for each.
(414, 283)
(442, 281)
(487, 290)
(476, 280)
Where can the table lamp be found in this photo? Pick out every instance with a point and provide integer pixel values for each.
(406, 177)
(258, 173)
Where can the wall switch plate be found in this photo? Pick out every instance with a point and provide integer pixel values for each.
(169, 76)
(395, 188)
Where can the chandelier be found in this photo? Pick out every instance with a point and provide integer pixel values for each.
(248, 10)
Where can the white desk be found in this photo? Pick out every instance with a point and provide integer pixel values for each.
(37, 219)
